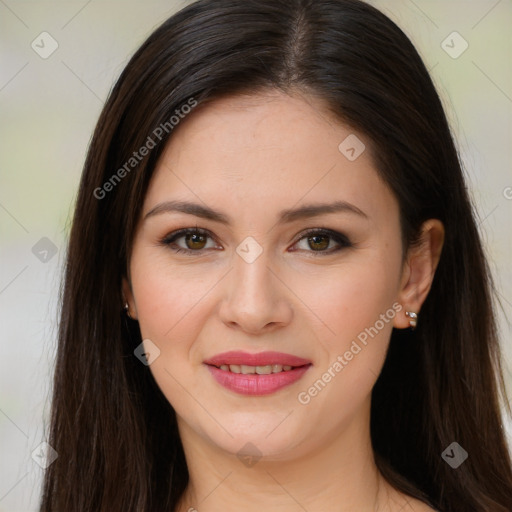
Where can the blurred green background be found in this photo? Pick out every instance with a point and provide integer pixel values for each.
(59, 60)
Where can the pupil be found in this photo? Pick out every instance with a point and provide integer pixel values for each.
(195, 239)
(315, 241)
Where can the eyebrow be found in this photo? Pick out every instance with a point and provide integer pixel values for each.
(285, 216)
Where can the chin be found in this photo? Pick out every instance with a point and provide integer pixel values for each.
(255, 435)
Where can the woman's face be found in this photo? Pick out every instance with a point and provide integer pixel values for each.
(270, 270)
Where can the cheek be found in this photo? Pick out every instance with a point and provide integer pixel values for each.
(168, 297)
(171, 302)
(351, 298)
(356, 308)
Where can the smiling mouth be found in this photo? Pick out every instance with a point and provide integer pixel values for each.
(259, 373)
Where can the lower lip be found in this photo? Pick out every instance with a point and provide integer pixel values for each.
(255, 384)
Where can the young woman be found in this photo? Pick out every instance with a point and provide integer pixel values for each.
(275, 296)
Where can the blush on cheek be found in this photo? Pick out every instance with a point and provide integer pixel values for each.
(161, 303)
(352, 305)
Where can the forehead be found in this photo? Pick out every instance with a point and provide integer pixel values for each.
(266, 122)
(264, 152)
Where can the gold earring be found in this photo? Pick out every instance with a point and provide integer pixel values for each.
(413, 319)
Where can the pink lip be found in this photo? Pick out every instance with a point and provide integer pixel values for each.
(255, 384)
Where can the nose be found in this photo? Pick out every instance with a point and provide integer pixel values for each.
(256, 300)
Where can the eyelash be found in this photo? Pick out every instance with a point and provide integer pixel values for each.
(339, 238)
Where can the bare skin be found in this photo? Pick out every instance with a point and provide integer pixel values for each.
(250, 157)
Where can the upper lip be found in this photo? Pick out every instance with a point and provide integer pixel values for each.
(258, 359)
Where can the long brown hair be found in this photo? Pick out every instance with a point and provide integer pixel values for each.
(113, 429)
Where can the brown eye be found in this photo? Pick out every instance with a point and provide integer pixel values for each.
(195, 241)
(318, 242)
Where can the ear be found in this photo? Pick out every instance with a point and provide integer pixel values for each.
(419, 269)
(128, 297)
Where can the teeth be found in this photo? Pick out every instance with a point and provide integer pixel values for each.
(264, 370)
(260, 370)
